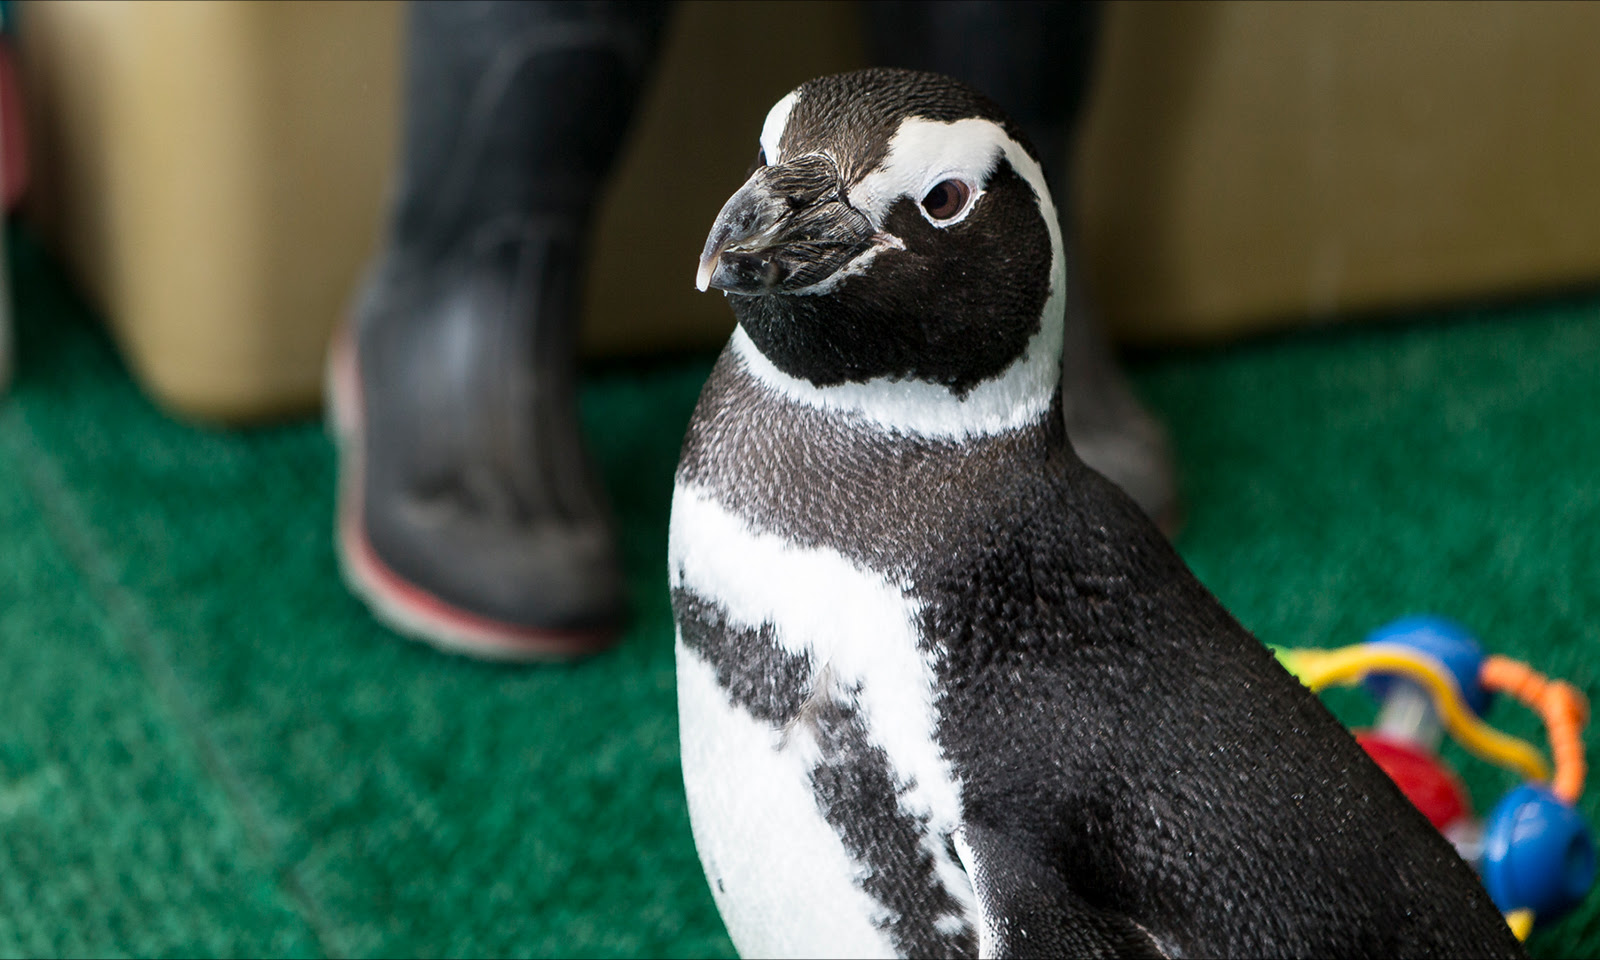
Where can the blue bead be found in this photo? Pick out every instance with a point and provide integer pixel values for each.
(1445, 641)
(1537, 854)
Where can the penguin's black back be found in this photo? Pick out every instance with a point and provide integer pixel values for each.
(1160, 759)
(1114, 729)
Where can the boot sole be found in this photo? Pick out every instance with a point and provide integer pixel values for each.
(405, 607)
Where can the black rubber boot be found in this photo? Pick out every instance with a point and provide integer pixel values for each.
(1036, 60)
(469, 514)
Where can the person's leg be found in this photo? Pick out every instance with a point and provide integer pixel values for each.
(469, 513)
(1036, 60)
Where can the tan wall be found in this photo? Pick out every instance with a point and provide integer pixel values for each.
(1248, 166)
(214, 171)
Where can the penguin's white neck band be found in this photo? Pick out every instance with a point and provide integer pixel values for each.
(1020, 396)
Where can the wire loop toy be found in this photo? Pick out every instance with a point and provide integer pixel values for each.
(1534, 852)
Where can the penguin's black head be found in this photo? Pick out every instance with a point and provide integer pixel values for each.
(896, 226)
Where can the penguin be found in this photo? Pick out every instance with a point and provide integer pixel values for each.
(943, 690)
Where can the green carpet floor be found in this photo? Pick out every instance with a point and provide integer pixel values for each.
(207, 747)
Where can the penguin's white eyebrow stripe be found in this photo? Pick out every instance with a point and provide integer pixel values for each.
(772, 129)
(923, 152)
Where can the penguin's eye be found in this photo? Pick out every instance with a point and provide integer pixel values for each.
(946, 199)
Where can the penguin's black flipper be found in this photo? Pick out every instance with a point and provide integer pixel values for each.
(1029, 911)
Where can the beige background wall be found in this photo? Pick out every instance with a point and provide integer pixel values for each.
(1252, 165)
(214, 171)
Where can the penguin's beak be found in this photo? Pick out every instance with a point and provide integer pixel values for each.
(787, 228)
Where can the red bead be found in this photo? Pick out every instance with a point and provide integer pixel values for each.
(1430, 786)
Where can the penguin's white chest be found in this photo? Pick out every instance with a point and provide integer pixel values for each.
(822, 806)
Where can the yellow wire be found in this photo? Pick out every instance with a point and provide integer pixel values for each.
(1348, 665)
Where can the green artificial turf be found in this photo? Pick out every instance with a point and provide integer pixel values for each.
(208, 747)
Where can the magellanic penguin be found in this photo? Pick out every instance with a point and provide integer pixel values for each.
(945, 691)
